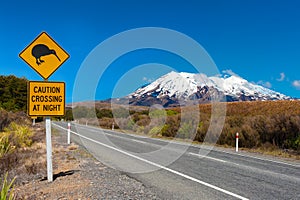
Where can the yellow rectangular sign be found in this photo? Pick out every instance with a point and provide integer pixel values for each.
(46, 98)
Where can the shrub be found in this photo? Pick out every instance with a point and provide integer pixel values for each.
(13, 93)
(130, 124)
(250, 137)
(227, 136)
(140, 129)
(201, 131)
(297, 143)
(186, 131)
(155, 131)
(83, 112)
(15, 136)
(104, 113)
(171, 112)
(143, 120)
(107, 123)
(157, 113)
(135, 117)
(165, 131)
(21, 135)
(8, 117)
(69, 115)
(170, 129)
(5, 145)
(120, 112)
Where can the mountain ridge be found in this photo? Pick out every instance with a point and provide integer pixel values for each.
(178, 88)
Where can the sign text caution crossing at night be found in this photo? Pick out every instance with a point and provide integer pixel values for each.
(44, 55)
(46, 98)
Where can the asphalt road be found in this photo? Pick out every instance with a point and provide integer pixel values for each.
(176, 170)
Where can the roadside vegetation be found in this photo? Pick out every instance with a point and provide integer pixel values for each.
(269, 125)
(13, 93)
(22, 152)
(18, 144)
(7, 189)
(15, 135)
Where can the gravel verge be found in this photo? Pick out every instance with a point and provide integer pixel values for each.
(77, 175)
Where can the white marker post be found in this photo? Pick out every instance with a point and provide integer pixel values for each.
(69, 133)
(113, 126)
(33, 122)
(49, 150)
(237, 142)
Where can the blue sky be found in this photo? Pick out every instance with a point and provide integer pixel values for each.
(258, 40)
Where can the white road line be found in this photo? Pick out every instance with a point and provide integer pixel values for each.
(138, 141)
(208, 157)
(253, 169)
(161, 167)
(110, 133)
(116, 136)
(265, 159)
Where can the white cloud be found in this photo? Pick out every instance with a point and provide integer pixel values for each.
(296, 84)
(148, 80)
(282, 77)
(230, 72)
(265, 84)
(268, 84)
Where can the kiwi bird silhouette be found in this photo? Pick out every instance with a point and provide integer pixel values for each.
(40, 50)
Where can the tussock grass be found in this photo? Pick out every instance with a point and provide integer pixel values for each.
(5, 145)
(21, 135)
(7, 190)
(73, 147)
(21, 151)
(15, 136)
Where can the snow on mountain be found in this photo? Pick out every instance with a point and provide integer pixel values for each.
(185, 86)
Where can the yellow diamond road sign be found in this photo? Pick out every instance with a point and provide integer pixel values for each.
(44, 55)
(46, 98)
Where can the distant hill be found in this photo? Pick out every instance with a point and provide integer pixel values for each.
(13, 93)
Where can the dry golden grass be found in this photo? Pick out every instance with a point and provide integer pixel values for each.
(276, 152)
(263, 108)
(258, 122)
(73, 147)
(251, 108)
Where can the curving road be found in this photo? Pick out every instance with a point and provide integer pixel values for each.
(176, 170)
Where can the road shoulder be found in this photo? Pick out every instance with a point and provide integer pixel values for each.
(77, 175)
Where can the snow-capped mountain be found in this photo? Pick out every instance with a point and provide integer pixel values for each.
(174, 87)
